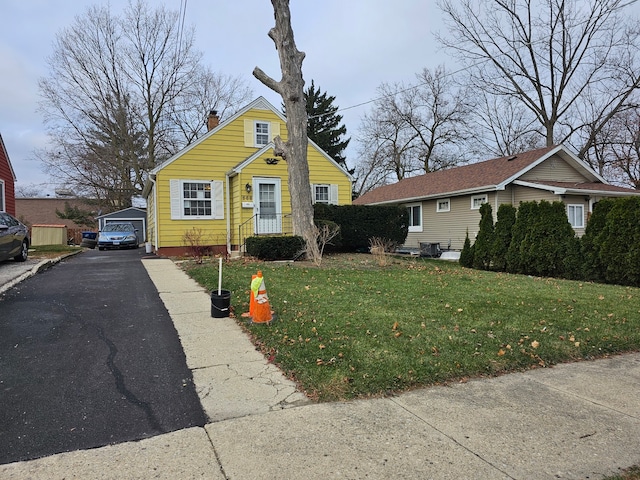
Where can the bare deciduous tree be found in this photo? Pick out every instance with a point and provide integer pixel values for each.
(546, 55)
(113, 98)
(412, 130)
(294, 150)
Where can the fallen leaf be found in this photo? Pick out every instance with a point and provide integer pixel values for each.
(577, 344)
(501, 352)
(601, 297)
(397, 334)
(321, 347)
(459, 310)
(535, 344)
(319, 362)
(395, 326)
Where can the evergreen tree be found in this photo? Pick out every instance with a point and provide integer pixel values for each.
(484, 241)
(506, 218)
(466, 256)
(593, 267)
(323, 125)
(547, 242)
(516, 257)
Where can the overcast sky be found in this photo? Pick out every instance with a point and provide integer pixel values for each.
(351, 47)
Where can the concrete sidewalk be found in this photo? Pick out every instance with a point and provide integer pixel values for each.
(573, 421)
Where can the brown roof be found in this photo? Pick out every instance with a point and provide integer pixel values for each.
(488, 174)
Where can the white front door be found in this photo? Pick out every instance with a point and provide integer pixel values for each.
(267, 205)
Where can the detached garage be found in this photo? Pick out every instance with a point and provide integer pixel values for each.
(137, 216)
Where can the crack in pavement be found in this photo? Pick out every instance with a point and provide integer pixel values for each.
(120, 383)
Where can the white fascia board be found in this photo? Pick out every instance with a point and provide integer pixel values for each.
(517, 175)
(455, 193)
(259, 103)
(238, 168)
(548, 188)
(326, 155)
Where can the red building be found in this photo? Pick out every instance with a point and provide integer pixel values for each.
(7, 182)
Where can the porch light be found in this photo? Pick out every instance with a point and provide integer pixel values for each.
(247, 187)
(272, 161)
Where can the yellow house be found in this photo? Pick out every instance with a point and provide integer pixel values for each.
(228, 185)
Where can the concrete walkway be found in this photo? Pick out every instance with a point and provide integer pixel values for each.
(573, 421)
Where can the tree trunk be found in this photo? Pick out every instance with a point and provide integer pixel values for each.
(294, 150)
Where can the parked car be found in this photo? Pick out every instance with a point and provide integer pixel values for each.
(14, 238)
(118, 235)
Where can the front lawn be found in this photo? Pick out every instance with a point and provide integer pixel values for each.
(351, 328)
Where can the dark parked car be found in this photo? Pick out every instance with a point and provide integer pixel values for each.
(118, 235)
(14, 238)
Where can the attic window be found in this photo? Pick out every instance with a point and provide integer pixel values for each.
(262, 133)
(511, 158)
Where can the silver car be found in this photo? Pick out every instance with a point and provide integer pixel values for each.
(14, 238)
(118, 235)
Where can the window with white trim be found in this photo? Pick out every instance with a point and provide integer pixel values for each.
(325, 193)
(478, 200)
(443, 205)
(262, 133)
(196, 199)
(415, 217)
(575, 213)
(2, 201)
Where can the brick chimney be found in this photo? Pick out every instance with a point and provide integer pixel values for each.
(212, 120)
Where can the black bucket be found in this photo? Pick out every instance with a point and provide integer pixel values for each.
(220, 303)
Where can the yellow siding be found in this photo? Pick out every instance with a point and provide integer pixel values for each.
(215, 157)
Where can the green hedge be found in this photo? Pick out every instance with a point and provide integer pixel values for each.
(275, 247)
(359, 223)
(540, 241)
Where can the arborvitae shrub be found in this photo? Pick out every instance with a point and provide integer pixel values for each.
(506, 218)
(484, 241)
(524, 219)
(466, 255)
(620, 243)
(592, 267)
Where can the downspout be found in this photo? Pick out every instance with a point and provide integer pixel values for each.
(155, 211)
(228, 206)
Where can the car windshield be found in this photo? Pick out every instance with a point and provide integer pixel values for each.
(118, 227)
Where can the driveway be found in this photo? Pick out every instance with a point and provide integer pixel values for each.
(88, 357)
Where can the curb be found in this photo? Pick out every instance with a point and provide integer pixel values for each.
(40, 267)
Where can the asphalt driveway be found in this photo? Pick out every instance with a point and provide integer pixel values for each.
(88, 357)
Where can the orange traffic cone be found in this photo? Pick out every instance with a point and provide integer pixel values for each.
(252, 300)
(262, 312)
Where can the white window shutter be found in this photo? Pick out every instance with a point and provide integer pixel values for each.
(249, 134)
(218, 200)
(275, 130)
(333, 194)
(175, 199)
(313, 193)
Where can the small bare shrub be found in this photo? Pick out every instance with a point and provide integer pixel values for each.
(196, 242)
(380, 249)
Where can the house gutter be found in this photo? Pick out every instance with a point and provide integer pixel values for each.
(227, 177)
(155, 211)
(228, 207)
(456, 193)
